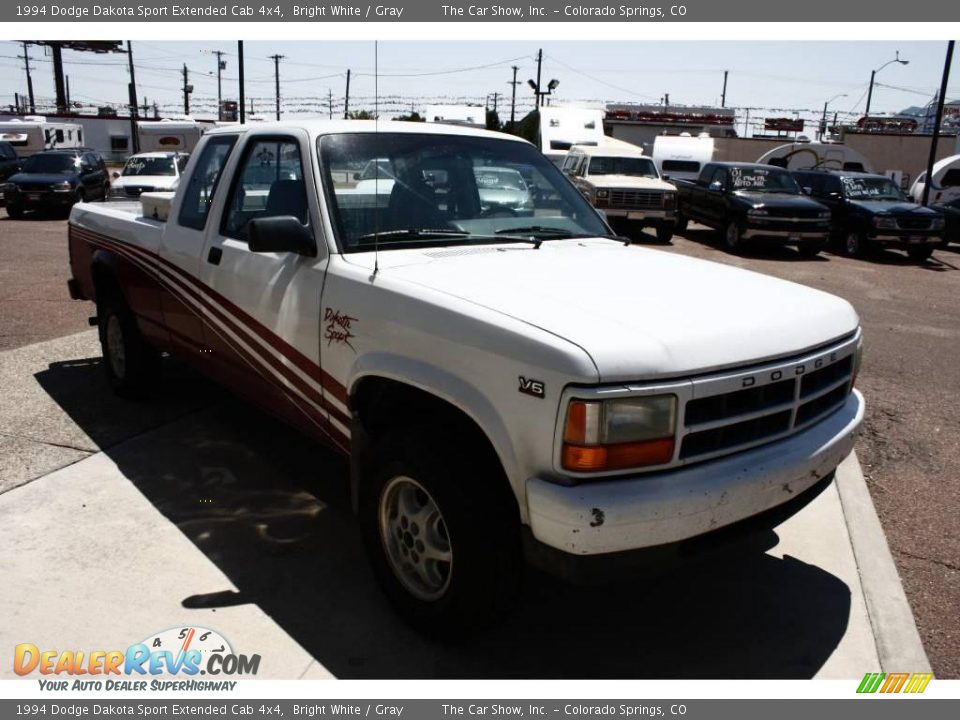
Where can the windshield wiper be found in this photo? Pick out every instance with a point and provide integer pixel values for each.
(415, 234)
(536, 231)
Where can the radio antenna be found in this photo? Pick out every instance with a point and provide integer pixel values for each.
(376, 165)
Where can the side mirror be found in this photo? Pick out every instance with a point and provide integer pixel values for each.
(281, 233)
(115, 175)
(807, 190)
(716, 186)
(356, 176)
(666, 177)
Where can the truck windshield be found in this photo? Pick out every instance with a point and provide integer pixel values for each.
(637, 167)
(150, 166)
(54, 163)
(763, 180)
(868, 188)
(394, 190)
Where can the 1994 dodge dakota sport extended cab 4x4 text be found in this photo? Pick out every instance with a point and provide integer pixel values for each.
(505, 384)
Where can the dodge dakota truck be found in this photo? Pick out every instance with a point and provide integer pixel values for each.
(506, 385)
(619, 179)
(747, 202)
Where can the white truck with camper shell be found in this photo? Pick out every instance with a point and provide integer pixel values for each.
(617, 178)
(504, 383)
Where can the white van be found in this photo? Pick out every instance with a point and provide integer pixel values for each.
(682, 156)
(946, 182)
(35, 134)
(816, 156)
(168, 135)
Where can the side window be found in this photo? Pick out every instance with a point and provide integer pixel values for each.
(269, 183)
(720, 176)
(833, 185)
(706, 175)
(203, 182)
(569, 163)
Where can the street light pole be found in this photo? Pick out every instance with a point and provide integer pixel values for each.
(873, 75)
(823, 120)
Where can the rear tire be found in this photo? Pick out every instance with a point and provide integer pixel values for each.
(665, 232)
(681, 224)
(129, 362)
(853, 245)
(441, 530)
(811, 250)
(920, 254)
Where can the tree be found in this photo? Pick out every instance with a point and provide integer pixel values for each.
(361, 115)
(412, 117)
(493, 120)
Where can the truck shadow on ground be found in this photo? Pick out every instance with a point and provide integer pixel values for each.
(271, 510)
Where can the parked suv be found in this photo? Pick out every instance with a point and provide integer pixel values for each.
(870, 210)
(55, 180)
(9, 162)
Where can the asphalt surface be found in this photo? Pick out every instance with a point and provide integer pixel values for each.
(910, 377)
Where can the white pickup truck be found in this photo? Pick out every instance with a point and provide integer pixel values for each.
(505, 383)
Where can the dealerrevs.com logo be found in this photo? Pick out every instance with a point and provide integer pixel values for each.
(169, 660)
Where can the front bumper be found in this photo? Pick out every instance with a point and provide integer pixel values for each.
(660, 508)
(41, 199)
(906, 239)
(787, 236)
(652, 216)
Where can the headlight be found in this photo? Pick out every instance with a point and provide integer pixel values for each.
(603, 193)
(62, 187)
(619, 434)
(669, 200)
(885, 222)
(7, 188)
(937, 223)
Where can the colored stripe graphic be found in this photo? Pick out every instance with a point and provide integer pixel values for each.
(250, 340)
(894, 683)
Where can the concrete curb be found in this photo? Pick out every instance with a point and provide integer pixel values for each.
(898, 642)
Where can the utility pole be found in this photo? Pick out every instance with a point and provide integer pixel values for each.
(513, 94)
(346, 98)
(187, 89)
(723, 96)
(276, 76)
(26, 65)
(539, 67)
(134, 138)
(329, 104)
(221, 66)
(67, 78)
(495, 96)
(243, 102)
(939, 119)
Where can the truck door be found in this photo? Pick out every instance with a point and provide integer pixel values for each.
(182, 245)
(264, 332)
(715, 200)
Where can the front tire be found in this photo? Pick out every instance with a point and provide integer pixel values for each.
(811, 250)
(681, 224)
(129, 362)
(733, 237)
(853, 244)
(442, 532)
(665, 232)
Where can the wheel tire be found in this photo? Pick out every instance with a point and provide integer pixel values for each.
(811, 250)
(128, 361)
(732, 239)
(853, 244)
(920, 254)
(14, 212)
(681, 224)
(474, 520)
(665, 233)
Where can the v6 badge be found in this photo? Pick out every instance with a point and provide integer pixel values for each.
(529, 386)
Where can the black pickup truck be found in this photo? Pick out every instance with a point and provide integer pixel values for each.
(746, 201)
(870, 210)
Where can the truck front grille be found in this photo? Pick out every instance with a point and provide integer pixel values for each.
(907, 222)
(731, 413)
(636, 199)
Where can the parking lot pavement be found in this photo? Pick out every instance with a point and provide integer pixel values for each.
(226, 519)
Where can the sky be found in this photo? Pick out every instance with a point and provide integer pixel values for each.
(771, 78)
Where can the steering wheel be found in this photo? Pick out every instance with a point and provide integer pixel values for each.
(498, 210)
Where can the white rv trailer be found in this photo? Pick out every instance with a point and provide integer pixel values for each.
(816, 156)
(563, 127)
(682, 156)
(466, 115)
(946, 182)
(169, 135)
(33, 134)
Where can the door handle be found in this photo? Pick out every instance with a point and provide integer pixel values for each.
(213, 257)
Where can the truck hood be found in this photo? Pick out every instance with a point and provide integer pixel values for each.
(629, 181)
(894, 207)
(43, 178)
(161, 182)
(638, 313)
(779, 200)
